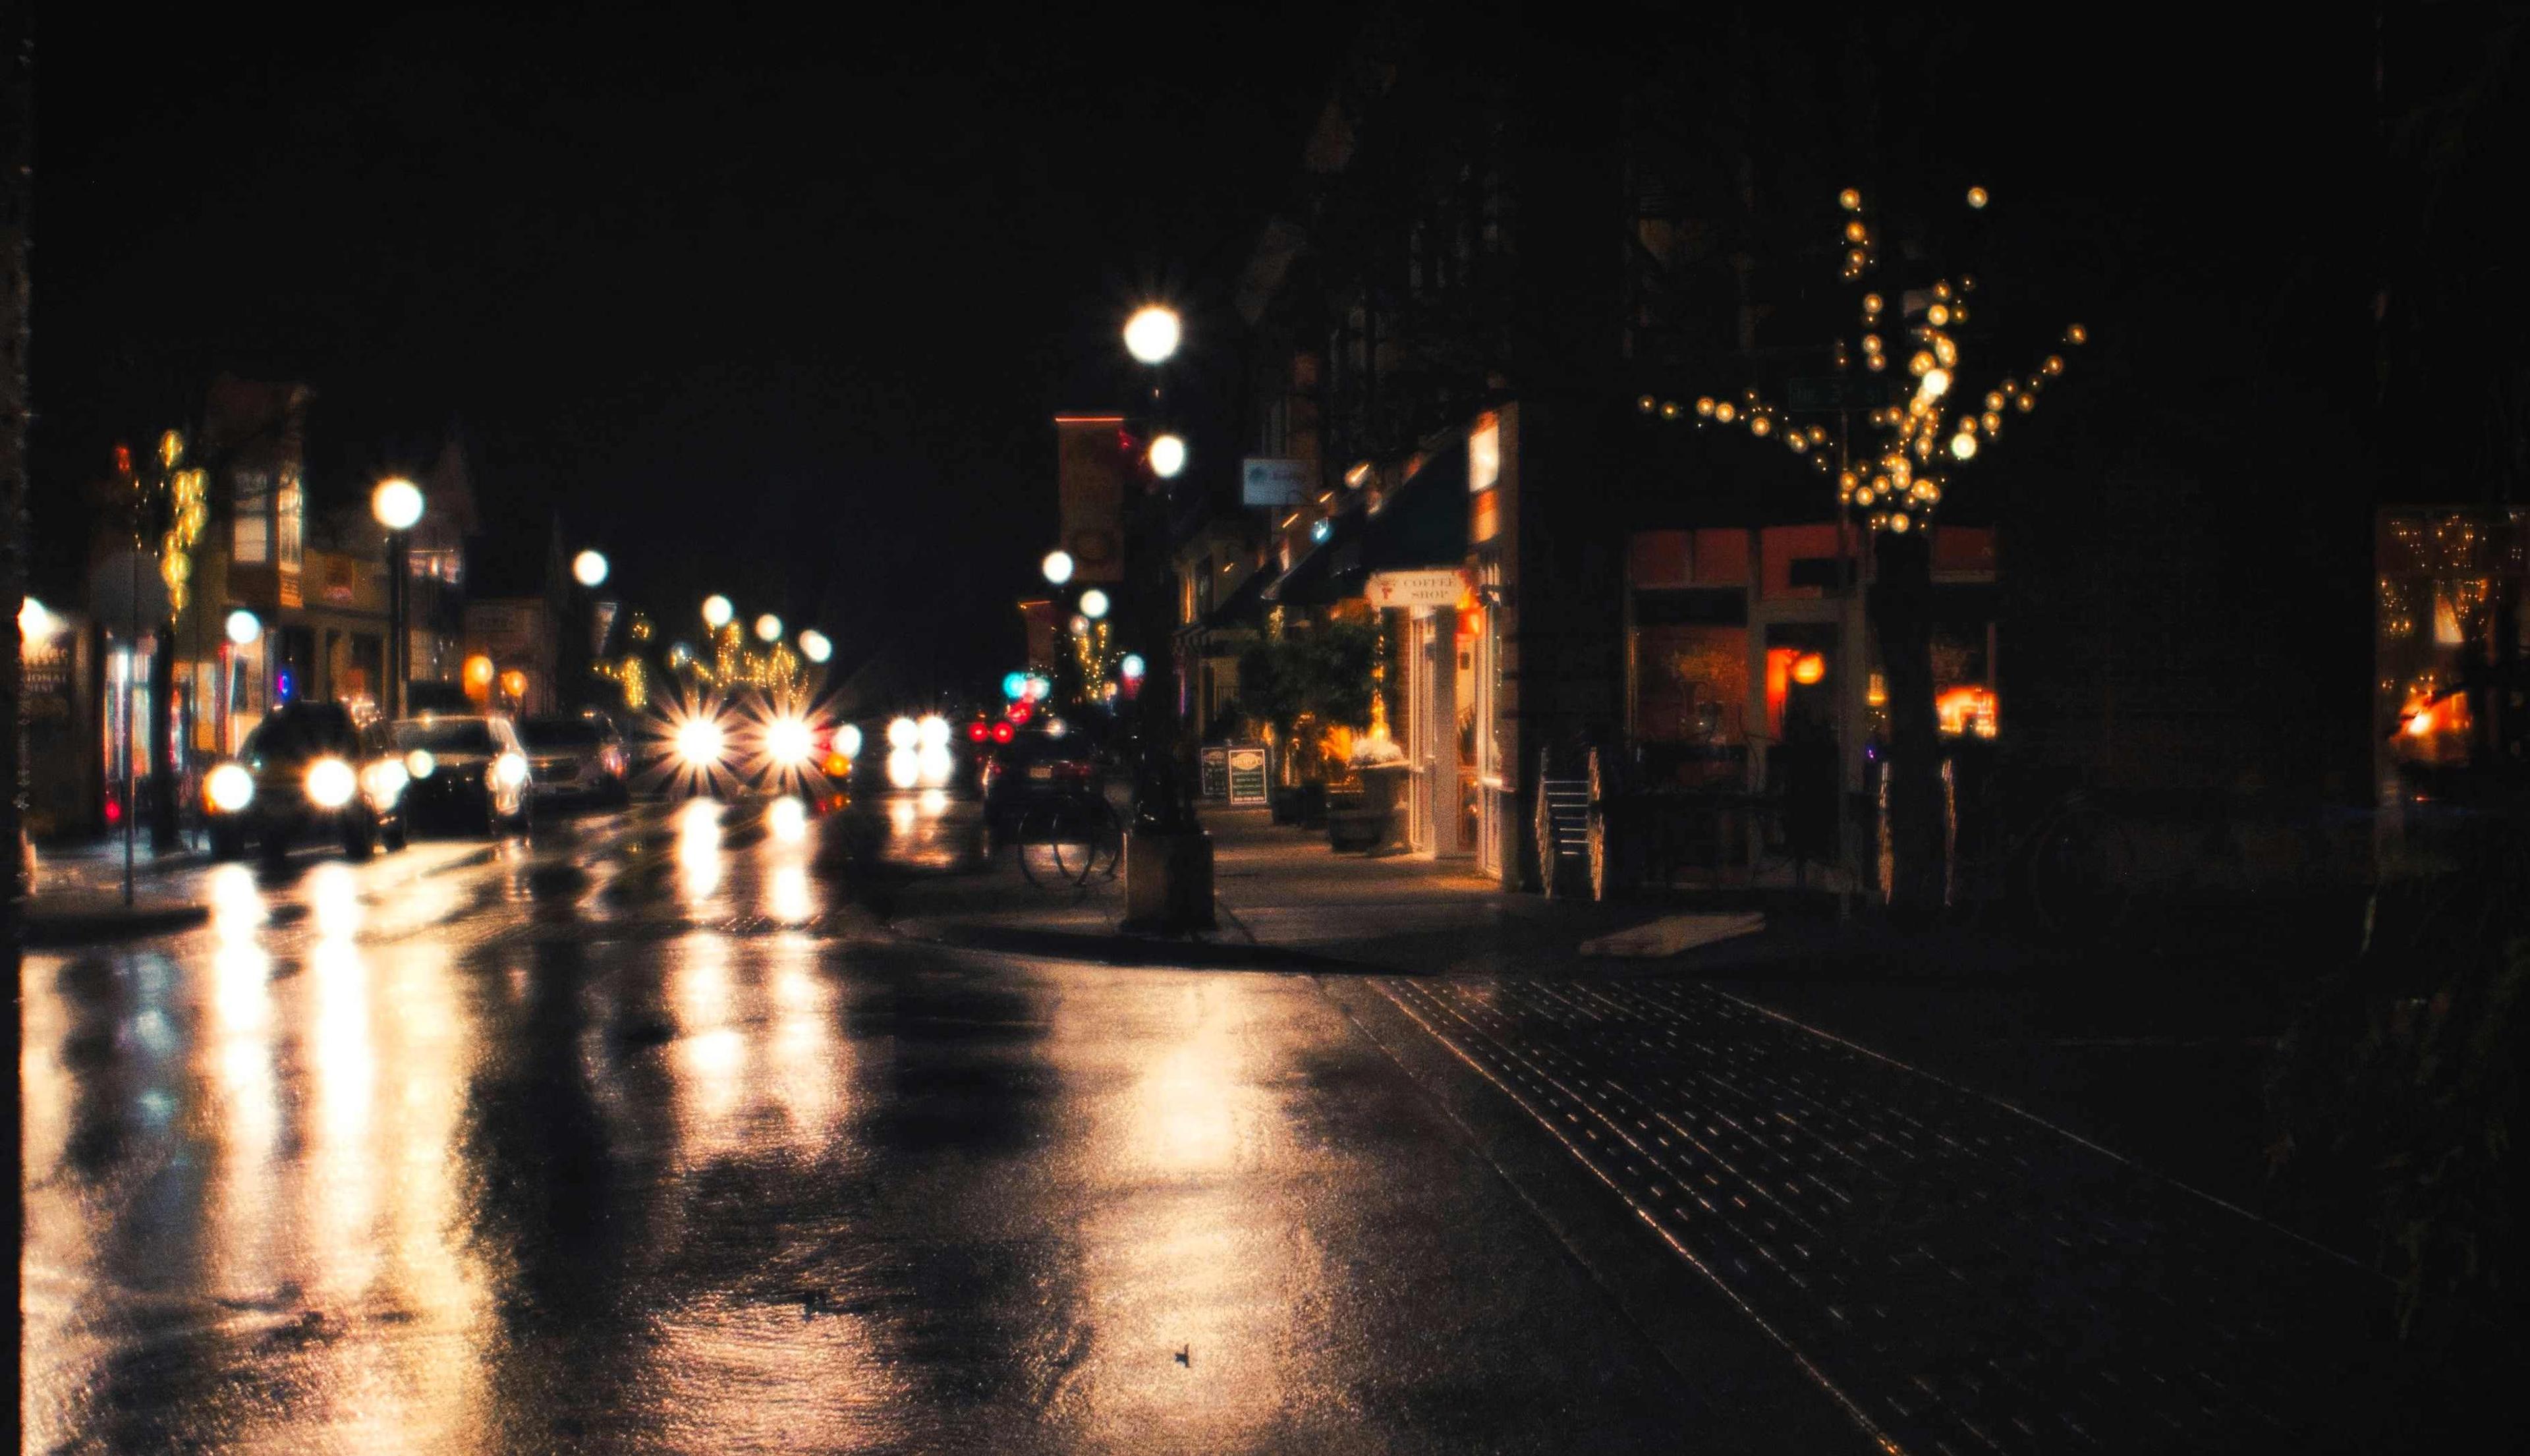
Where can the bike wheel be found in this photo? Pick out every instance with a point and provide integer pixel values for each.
(1076, 843)
(1031, 844)
(2080, 873)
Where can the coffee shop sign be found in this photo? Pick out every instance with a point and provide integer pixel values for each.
(1441, 587)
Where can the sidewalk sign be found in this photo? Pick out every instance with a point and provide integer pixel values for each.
(1215, 777)
(1247, 766)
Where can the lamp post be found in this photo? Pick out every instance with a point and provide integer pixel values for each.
(1168, 855)
(397, 505)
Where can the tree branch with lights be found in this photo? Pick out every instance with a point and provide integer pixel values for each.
(1894, 484)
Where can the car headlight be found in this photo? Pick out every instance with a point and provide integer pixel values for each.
(230, 788)
(330, 783)
(419, 764)
(788, 742)
(386, 779)
(509, 771)
(699, 741)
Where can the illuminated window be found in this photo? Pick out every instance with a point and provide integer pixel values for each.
(290, 519)
(253, 543)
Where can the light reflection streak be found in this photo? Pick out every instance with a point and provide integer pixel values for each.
(698, 849)
(806, 1068)
(791, 902)
(1194, 1257)
(709, 1056)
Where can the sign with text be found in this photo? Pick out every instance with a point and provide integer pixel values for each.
(1247, 776)
(1435, 588)
(1270, 482)
(1216, 774)
(1091, 469)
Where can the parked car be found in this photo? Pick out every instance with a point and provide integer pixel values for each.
(1032, 767)
(468, 771)
(578, 757)
(306, 768)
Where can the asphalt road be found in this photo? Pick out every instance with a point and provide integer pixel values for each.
(644, 1133)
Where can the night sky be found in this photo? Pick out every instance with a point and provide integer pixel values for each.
(779, 306)
(761, 304)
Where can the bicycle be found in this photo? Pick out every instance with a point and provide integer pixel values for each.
(1064, 841)
(2072, 867)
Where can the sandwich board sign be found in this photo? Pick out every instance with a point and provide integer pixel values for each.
(1247, 764)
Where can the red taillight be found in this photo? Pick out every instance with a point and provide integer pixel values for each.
(1003, 732)
(976, 731)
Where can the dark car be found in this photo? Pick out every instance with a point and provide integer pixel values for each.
(1032, 767)
(579, 757)
(469, 771)
(307, 770)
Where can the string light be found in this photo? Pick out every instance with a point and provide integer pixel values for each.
(1900, 482)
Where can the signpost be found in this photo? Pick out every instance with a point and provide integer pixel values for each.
(1440, 587)
(1272, 482)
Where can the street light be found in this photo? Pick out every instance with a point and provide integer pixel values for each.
(717, 611)
(1151, 334)
(1058, 566)
(768, 629)
(589, 568)
(1093, 604)
(1167, 456)
(814, 646)
(243, 626)
(397, 505)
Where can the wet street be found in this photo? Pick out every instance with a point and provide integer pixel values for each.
(644, 1133)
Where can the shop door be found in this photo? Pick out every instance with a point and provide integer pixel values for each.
(1422, 724)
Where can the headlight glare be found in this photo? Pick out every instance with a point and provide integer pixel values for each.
(510, 769)
(330, 783)
(230, 788)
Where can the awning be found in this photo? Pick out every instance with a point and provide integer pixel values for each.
(1244, 606)
(1424, 523)
(1328, 572)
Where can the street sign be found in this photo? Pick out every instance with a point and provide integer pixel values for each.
(1247, 776)
(1272, 482)
(1434, 588)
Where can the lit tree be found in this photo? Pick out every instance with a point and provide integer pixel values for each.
(1894, 482)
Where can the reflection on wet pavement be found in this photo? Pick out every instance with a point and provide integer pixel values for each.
(610, 1140)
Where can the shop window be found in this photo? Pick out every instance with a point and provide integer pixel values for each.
(252, 545)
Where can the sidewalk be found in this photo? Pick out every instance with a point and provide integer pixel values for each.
(78, 894)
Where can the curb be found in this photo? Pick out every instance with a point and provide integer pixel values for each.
(1131, 950)
(74, 928)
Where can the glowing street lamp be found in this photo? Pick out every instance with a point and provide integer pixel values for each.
(589, 568)
(1093, 604)
(1151, 334)
(1167, 456)
(768, 629)
(1058, 566)
(397, 505)
(242, 627)
(814, 646)
(717, 611)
